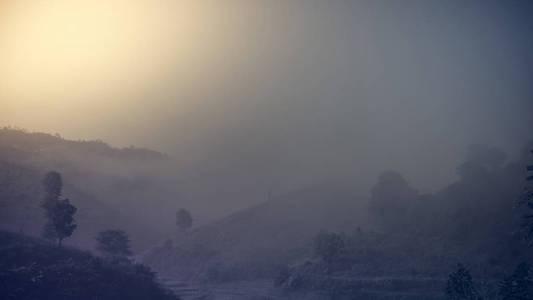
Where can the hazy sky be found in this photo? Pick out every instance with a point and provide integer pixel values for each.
(275, 92)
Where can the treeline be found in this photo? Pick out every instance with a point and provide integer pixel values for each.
(16, 140)
(482, 221)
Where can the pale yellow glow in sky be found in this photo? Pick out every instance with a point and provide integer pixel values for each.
(69, 57)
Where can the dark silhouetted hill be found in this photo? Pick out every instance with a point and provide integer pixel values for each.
(31, 268)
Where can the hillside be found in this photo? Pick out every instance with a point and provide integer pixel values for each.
(258, 241)
(111, 187)
(23, 143)
(31, 268)
(400, 239)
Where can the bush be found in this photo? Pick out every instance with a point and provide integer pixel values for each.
(460, 285)
(518, 286)
(34, 269)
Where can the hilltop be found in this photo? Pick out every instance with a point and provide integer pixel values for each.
(24, 143)
(111, 187)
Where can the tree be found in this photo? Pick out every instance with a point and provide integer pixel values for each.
(527, 198)
(519, 285)
(114, 243)
(58, 212)
(460, 286)
(390, 200)
(183, 219)
(53, 185)
(63, 219)
(328, 246)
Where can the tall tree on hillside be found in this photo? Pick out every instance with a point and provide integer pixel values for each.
(53, 184)
(183, 219)
(59, 212)
(63, 220)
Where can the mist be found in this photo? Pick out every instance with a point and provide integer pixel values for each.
(295, 92)
(251, 102)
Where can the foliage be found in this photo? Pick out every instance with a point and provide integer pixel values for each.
(527, 198)
(34, 269)
(460, 286)
(183, 219)
(53, 185)
(59, 212)
(518, 286)
(63, 219)
(60, 223)
(390, 200)
(114, 243)
(25, 159)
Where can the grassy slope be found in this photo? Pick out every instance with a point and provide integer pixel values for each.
(99, 180)
(31, 268)
(257, 241)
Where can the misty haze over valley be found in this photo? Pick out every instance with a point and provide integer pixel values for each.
(298, 149)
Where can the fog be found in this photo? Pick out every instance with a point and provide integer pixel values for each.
(252, 101)
(287, 93)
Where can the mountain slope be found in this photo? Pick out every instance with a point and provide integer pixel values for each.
(258, 241)
(111, 187)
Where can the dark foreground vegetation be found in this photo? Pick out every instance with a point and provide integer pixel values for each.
(32, 268)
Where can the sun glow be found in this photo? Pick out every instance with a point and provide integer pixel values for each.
(73, 47)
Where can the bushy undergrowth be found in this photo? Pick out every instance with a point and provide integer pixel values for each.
(35, 269)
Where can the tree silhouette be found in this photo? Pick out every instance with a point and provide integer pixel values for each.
(58, 212)
(63, 219)
(460, 286)
(390, 201)
(527, 198)
(52, 184)
(519, 285)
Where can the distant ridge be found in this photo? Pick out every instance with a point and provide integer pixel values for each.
(111, 187)
(23, 140)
